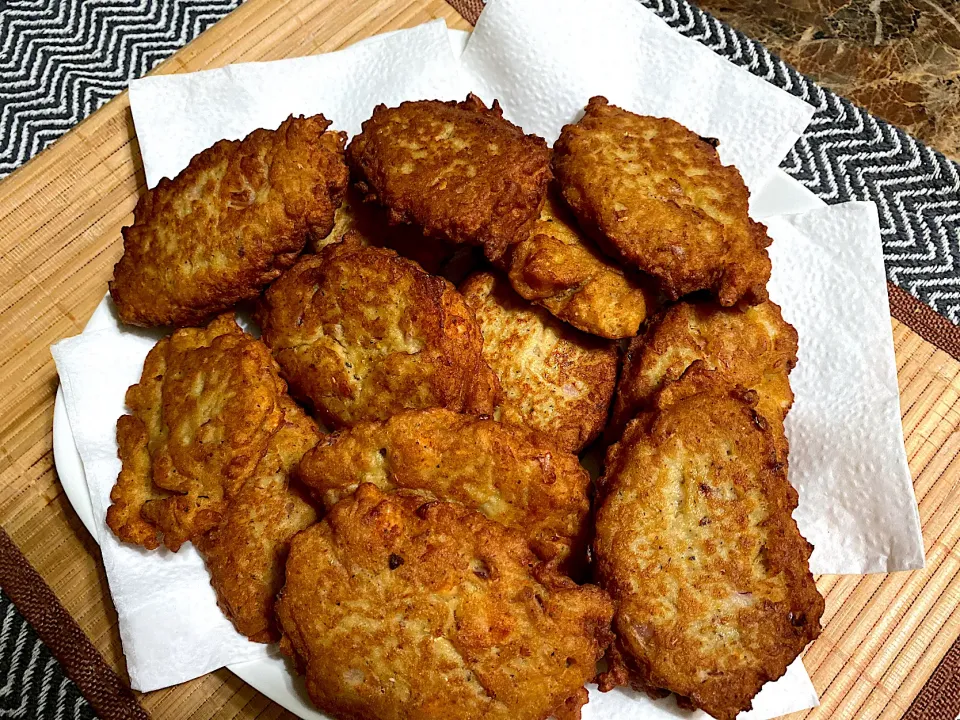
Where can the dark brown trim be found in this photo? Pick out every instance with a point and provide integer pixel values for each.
(939, 698)
(925, 322)
(110, 697)
(470, 9)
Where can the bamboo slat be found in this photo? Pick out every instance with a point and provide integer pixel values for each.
(60, 220)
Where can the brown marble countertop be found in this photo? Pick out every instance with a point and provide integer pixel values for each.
(900, 59)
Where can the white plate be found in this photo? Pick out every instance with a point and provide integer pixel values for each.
(272, 677)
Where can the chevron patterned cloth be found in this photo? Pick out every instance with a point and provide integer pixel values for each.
(34, 685)
(61, 60)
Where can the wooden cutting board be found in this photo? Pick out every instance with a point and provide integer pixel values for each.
(60, 220)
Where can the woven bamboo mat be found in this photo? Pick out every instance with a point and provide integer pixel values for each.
(60, 220)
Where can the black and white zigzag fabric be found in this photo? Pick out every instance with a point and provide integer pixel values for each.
(33, 684)
(847, 154)
(62, 59)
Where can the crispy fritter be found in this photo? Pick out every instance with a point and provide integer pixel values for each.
(555, 379)
(510, 474)
(399, 606)
(234, 219)
(247, 551)
(753, 346)
(561, 269)
(134, 487)
(201, 418)
(362, 333)
(207, 454)
(458, 170)
(369, 223)
(656, 195)
(696, 544)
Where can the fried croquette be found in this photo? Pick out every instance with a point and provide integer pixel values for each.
(510, 474)
(753, 346)
(559, 268)
(227, 225)
(696, 544)
(201, 418)
(655, 195)
(459, 171)
(369, 223)
(206, 457)
(362, 333)
(247, 551)
(398, 606)
(555, 379)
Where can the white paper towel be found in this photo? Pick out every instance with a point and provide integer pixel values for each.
(170, 625)
(791, 693)
(176, 116)
(544, 59)
(847, 458)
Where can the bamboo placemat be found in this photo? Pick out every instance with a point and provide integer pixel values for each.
(60, 220)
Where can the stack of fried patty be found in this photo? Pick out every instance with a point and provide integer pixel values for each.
(387, 480)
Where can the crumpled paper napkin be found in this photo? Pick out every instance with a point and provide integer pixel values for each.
(178, 115)
(170, 625)
(543, 59)
(847, 458)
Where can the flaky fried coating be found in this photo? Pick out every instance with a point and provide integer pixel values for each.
(656, 195)
(753, 346)
(234, 219)
(510, 474)
(558, 267)
(399, 606)
(206, 456)
(555, 379)
(696, 544)
(134, 487)
(457, 170)
(370, 225)
(362, 333)
(201, 418)
(246, 553)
